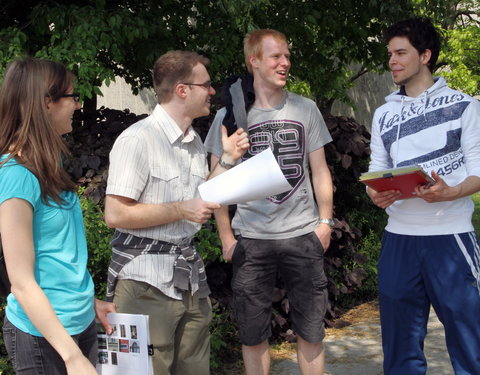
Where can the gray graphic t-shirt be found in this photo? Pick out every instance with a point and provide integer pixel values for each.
(292, 130)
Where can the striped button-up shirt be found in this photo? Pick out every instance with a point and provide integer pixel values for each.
(153, 161)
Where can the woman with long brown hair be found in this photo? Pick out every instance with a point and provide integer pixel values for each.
(49, 323)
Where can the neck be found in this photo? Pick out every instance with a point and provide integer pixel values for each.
(177, 113)
(414, 89)
(266, 97)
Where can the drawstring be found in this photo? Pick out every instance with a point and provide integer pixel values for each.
(425, 105)
(398, 134)
(425, 95)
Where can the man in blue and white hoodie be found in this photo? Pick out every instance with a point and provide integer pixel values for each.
(430, 253)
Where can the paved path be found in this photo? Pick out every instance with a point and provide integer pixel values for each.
(357, 350)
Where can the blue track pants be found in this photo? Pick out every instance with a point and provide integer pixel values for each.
(416, 272)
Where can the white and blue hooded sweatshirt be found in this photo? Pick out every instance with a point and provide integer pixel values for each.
(438, 130)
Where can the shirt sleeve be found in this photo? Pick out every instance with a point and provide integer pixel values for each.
(17, 181)
(470, 138)
(379, 157)
(129, 169)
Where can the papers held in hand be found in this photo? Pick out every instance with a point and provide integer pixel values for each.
(404, 179)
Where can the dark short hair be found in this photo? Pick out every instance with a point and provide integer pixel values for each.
(172, 68)
(421, 34)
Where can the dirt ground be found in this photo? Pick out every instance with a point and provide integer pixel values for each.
(361, 313)
(285, 351)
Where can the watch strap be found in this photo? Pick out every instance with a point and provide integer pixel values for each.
(329, 221)
(225, 165)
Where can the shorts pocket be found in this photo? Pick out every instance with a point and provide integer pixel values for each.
(317, 242)
(238, 256)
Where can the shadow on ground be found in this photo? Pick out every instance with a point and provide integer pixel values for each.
(356, 349)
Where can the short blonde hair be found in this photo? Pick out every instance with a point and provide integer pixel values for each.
(252, 43)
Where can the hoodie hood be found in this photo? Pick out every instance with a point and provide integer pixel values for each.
(438, 85)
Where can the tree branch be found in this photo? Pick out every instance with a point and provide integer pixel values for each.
(360, 73)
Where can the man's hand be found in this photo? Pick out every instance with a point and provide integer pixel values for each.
(197, 210)
(438, 192)
(102, 308)
(385, 198)
(228, 247)
(234, 146)
(324, 233)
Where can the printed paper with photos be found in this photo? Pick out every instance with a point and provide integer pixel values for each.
(125, 351)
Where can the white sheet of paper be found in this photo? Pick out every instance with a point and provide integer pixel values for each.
(256, 178)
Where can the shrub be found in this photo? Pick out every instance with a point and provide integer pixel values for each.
(98, 241)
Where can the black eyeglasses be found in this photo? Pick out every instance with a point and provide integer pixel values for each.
(207, 84)
(75, 96)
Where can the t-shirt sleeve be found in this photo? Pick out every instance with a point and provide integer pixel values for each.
(17, 181)
(318, 134)
(129, 169)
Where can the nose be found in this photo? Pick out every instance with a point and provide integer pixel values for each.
(391, 60)
(78, 105)
(211, 91)
(285, 61)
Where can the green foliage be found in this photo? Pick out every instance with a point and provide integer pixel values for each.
(461, 54)
(208, 243)
(223, 338)
(12, 45)
(101, 39)
(458, 22)
(98, 240)
(476, 213)
(299, 87)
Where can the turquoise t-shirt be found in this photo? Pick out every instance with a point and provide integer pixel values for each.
(60, 252)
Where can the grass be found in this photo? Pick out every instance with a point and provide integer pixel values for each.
(476, 213)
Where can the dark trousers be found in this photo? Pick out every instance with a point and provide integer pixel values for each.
(414, 273)
(33, 355)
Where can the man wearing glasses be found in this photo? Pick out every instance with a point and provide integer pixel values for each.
(156, 166)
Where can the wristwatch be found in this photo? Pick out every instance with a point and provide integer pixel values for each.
(330, 222)
(225, 164)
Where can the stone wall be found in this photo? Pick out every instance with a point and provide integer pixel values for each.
(368, 94)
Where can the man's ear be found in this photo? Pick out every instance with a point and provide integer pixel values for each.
(425, 56)
(181, 90)
(253, 61)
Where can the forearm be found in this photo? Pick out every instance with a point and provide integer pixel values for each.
(135, 215)
(216, 168)
(323, 189)
(234, 147)
(40, 312)
(224, 227)
(469, 186)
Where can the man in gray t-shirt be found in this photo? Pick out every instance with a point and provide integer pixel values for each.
(286, 233)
